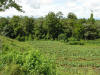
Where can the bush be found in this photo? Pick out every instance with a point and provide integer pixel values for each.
(36, 64)
(18, 58)
(0, 46)
(12, 69)
(20, 38)
(62, 37)
(30, 37)
(76, 43)
(72, 39)
(27, 63)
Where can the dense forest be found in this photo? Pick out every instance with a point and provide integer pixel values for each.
(51, 27)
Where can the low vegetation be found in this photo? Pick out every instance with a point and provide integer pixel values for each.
(72, 59)
(18, 58)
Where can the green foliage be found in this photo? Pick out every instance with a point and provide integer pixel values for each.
(30, 37)
(71, 16)
(76, 43)
(39, 29)
(50, 27)
(35, 63)
(72, 59)
(91, 19)
(62, 37)
(90, 32)
(22, 59)
(72, 39)
(6, 4)
(12, 69)
(31, 62)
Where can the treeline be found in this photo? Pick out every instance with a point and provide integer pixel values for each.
(51, 27)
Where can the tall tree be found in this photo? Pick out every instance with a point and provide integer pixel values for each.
(39, 30)
(72, 20)
(71, 16)
(52, 24)
(91, 19)
(13, 27)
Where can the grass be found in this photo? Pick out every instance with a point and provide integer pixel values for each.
(72, 59)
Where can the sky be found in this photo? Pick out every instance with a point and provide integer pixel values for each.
(38, 8)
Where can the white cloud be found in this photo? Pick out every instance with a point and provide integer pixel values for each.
(41, 7)
(82, 7)
(46, 2)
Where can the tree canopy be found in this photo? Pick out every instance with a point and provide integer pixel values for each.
(53, 27)
(6, 4)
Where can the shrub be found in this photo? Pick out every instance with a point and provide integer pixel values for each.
(19, 58)
(62, 37)
(26, 38)
(72, 39)
(76, 43)
(0, 46)
(27, 63)
(30, 37)
(12, 69)
(36, 64)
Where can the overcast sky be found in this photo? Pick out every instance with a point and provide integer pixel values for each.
(39, 8)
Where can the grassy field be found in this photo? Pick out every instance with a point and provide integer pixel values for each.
(72, 59)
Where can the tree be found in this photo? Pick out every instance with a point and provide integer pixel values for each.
(59, 15)
(72, 22)
(90, 29)
(39, 30)
(13, 27)
(51, 25)
(3, 24)
(6, 4)
(26, 26)
(29, 25)
(91, 20)
(90, 32)
(71, 16)
(66, 29)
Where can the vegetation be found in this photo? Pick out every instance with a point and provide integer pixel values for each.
(70, 46)
(72, 59)
(18, 58)
(51, 27)
(50, 45)
(6, 4)
(27, 58)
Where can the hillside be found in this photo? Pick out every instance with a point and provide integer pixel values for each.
(19, 58)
